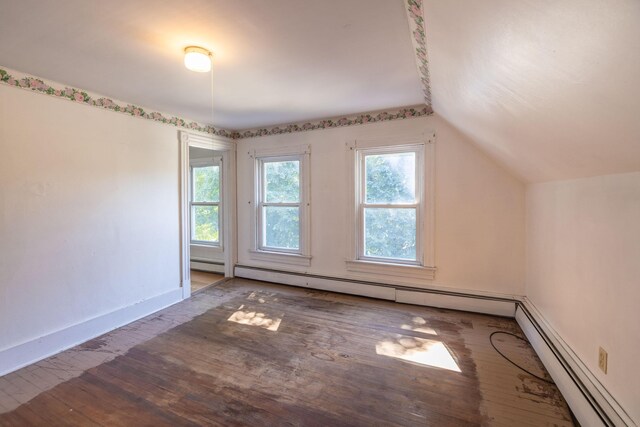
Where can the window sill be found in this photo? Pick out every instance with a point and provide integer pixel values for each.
(388, 269)
(281, 257)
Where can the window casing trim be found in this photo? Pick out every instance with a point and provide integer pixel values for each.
(424, 266)
(361, 155)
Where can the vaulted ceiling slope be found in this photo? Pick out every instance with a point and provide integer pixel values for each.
(275, 62)
(550, 88)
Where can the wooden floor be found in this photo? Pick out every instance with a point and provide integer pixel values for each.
(202, 279)
(249, 353)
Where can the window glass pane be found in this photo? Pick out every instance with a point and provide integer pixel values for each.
(206, 184)
(205, 224)
(390, 233)
(390, 178)
(282, 181)
(281, 227)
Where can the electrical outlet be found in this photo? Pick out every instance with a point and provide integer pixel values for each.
(602, 360)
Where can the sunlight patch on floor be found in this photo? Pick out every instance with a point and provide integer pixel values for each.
(418, 350)
(419, 325)
(255, 318)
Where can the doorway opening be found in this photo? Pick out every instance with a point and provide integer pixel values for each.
(206, 199)
(207, 211)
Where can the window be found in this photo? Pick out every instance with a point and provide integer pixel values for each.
(205, 202)
(279, 216)
(392, 215)
(389, 205)
(281, 206)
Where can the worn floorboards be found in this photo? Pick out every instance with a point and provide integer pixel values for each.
(249, 353)
(202, 279)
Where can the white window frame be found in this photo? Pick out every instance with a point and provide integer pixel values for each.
(263, 204)
(423, 267)
(258, 250)
(418, 204)
(196, 163)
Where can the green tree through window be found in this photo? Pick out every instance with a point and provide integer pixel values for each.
(281, 204)
(205, 209)
(389, 212)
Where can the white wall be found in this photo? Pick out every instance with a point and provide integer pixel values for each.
(88, 213)
(583, 272)
(480, 207)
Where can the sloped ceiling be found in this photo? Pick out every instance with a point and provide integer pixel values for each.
(549, 88)
(275, 61)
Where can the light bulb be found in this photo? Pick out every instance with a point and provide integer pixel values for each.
(197, 59)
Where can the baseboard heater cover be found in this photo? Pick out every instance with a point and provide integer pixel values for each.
(206, 261)
(455, 300)
(589, 401)
(208, 266)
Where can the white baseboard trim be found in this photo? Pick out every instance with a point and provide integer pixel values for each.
(207, 266)
(590, 402)
(21, 355)
(497, 305)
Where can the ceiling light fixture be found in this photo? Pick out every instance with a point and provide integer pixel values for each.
(197, 59)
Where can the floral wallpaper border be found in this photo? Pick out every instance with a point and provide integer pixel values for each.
(419, 40)
(83, 97)
(357, 119)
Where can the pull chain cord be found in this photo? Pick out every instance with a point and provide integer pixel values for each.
(211, 72)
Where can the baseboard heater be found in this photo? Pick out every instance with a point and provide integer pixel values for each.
(590, 402)
(204, 261)
(207, 265)
(442, 298)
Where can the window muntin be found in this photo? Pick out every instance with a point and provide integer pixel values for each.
(389, 204)
(279, 206)
(205, 204)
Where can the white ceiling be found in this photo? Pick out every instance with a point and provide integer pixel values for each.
(549, 88)
(276, 61)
